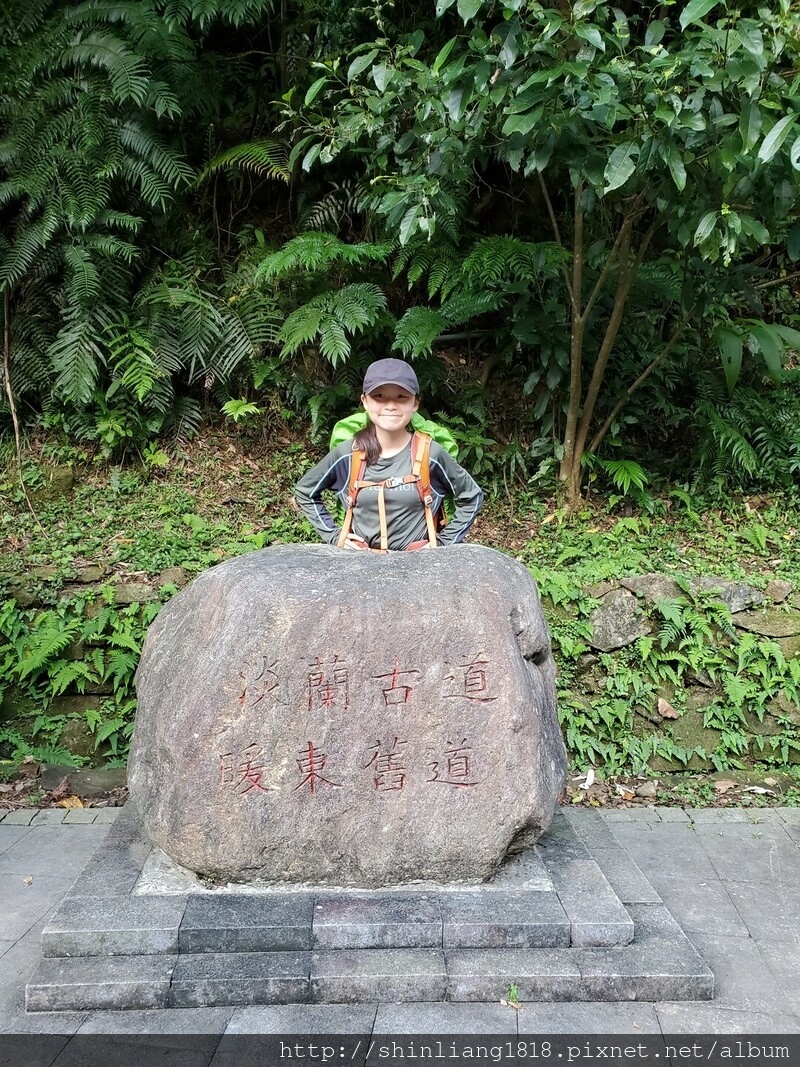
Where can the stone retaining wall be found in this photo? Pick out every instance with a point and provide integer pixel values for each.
(624, 613)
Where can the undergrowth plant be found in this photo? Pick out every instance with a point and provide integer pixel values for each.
(80, 643)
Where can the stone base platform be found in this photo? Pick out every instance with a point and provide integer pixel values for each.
(571, 919)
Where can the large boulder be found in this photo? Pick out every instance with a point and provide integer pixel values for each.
(313, 715)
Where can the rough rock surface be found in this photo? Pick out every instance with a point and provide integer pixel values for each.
(617, 622)
(309, 715)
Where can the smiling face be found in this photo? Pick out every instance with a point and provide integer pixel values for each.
(390, 407)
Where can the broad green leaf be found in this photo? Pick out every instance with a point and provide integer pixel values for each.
(468, 9)
(310, 158)
(360, 63)
(676, 167)
(775, 138)
(522, 123)
(695, 11)
(382, 75)
(730, 343)
(770, 344)
(442, 6)
(793, 243)
(592, 35)
(444, 52)
(315, 89)
(792, 337)
(620, 166)
(409, 223)
(750, 36)
(750, 124)
(654, 33)
(794, 154)
(755, 229)
(705, 227)
(510, 49)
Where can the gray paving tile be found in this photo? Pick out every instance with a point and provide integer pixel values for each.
(625, 877)
(382, 921)
(391, 975)
(303, 1019)
(80, 815)
(790, 815)
(4, 812)
(705, 906)
(743, 979)
(20, 817)
(717, 816)
(84, 982)
(673, 846)
(588, 1018)
(23, 905)
(514, 920)
(159, 1021)
(753, 854)
(108, 815)
(637, 815)
(445, 1018)
(240, 978)
(762, 816)
(119, 926)
(49, 817)
(771, 910)
(237, 922)
(9, 835)
(590, 826)
(783, 961)
(714, 1019)
(84, 1050)
(52, 848)
(488, 974)
(673, 814)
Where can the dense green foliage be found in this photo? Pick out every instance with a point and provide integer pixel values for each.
(571, 216)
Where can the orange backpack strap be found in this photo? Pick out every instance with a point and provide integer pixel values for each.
(358, 463)
(421, 470)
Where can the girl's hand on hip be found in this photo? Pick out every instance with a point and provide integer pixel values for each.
(354, 541)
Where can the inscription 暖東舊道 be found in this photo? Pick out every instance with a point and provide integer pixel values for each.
(393, 764)
(389, 770)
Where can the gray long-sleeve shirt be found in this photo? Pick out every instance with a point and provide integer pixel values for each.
(405, 514)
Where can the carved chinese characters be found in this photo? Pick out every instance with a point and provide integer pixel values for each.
(315, 716)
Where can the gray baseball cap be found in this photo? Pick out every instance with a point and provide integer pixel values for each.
(390, 372)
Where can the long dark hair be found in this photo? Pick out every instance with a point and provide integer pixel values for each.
(367, 441)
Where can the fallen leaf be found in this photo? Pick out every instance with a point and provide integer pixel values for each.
(28, 880)
(6, 788)
(770, 781)
(724, 786)
(666, 710)
(70, 802)
(625, 793)
(61, 789)
(547, 518)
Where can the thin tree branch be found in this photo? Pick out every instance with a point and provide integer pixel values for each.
(554, 223)
(635, 386)
(10, 395)
(606, 267)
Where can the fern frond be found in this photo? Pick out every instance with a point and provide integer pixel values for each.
(266, 157)
(417, 330)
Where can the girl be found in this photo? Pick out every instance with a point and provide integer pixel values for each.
(389, 511)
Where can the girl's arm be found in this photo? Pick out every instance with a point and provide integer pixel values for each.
(333, 473)
(450, 478)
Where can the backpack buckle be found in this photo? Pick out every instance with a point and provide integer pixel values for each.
(392, 483)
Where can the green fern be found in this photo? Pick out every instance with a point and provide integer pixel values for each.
(266, 158)
(327, 319)
(318, 252)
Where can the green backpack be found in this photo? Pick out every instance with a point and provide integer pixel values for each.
(353, 424)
